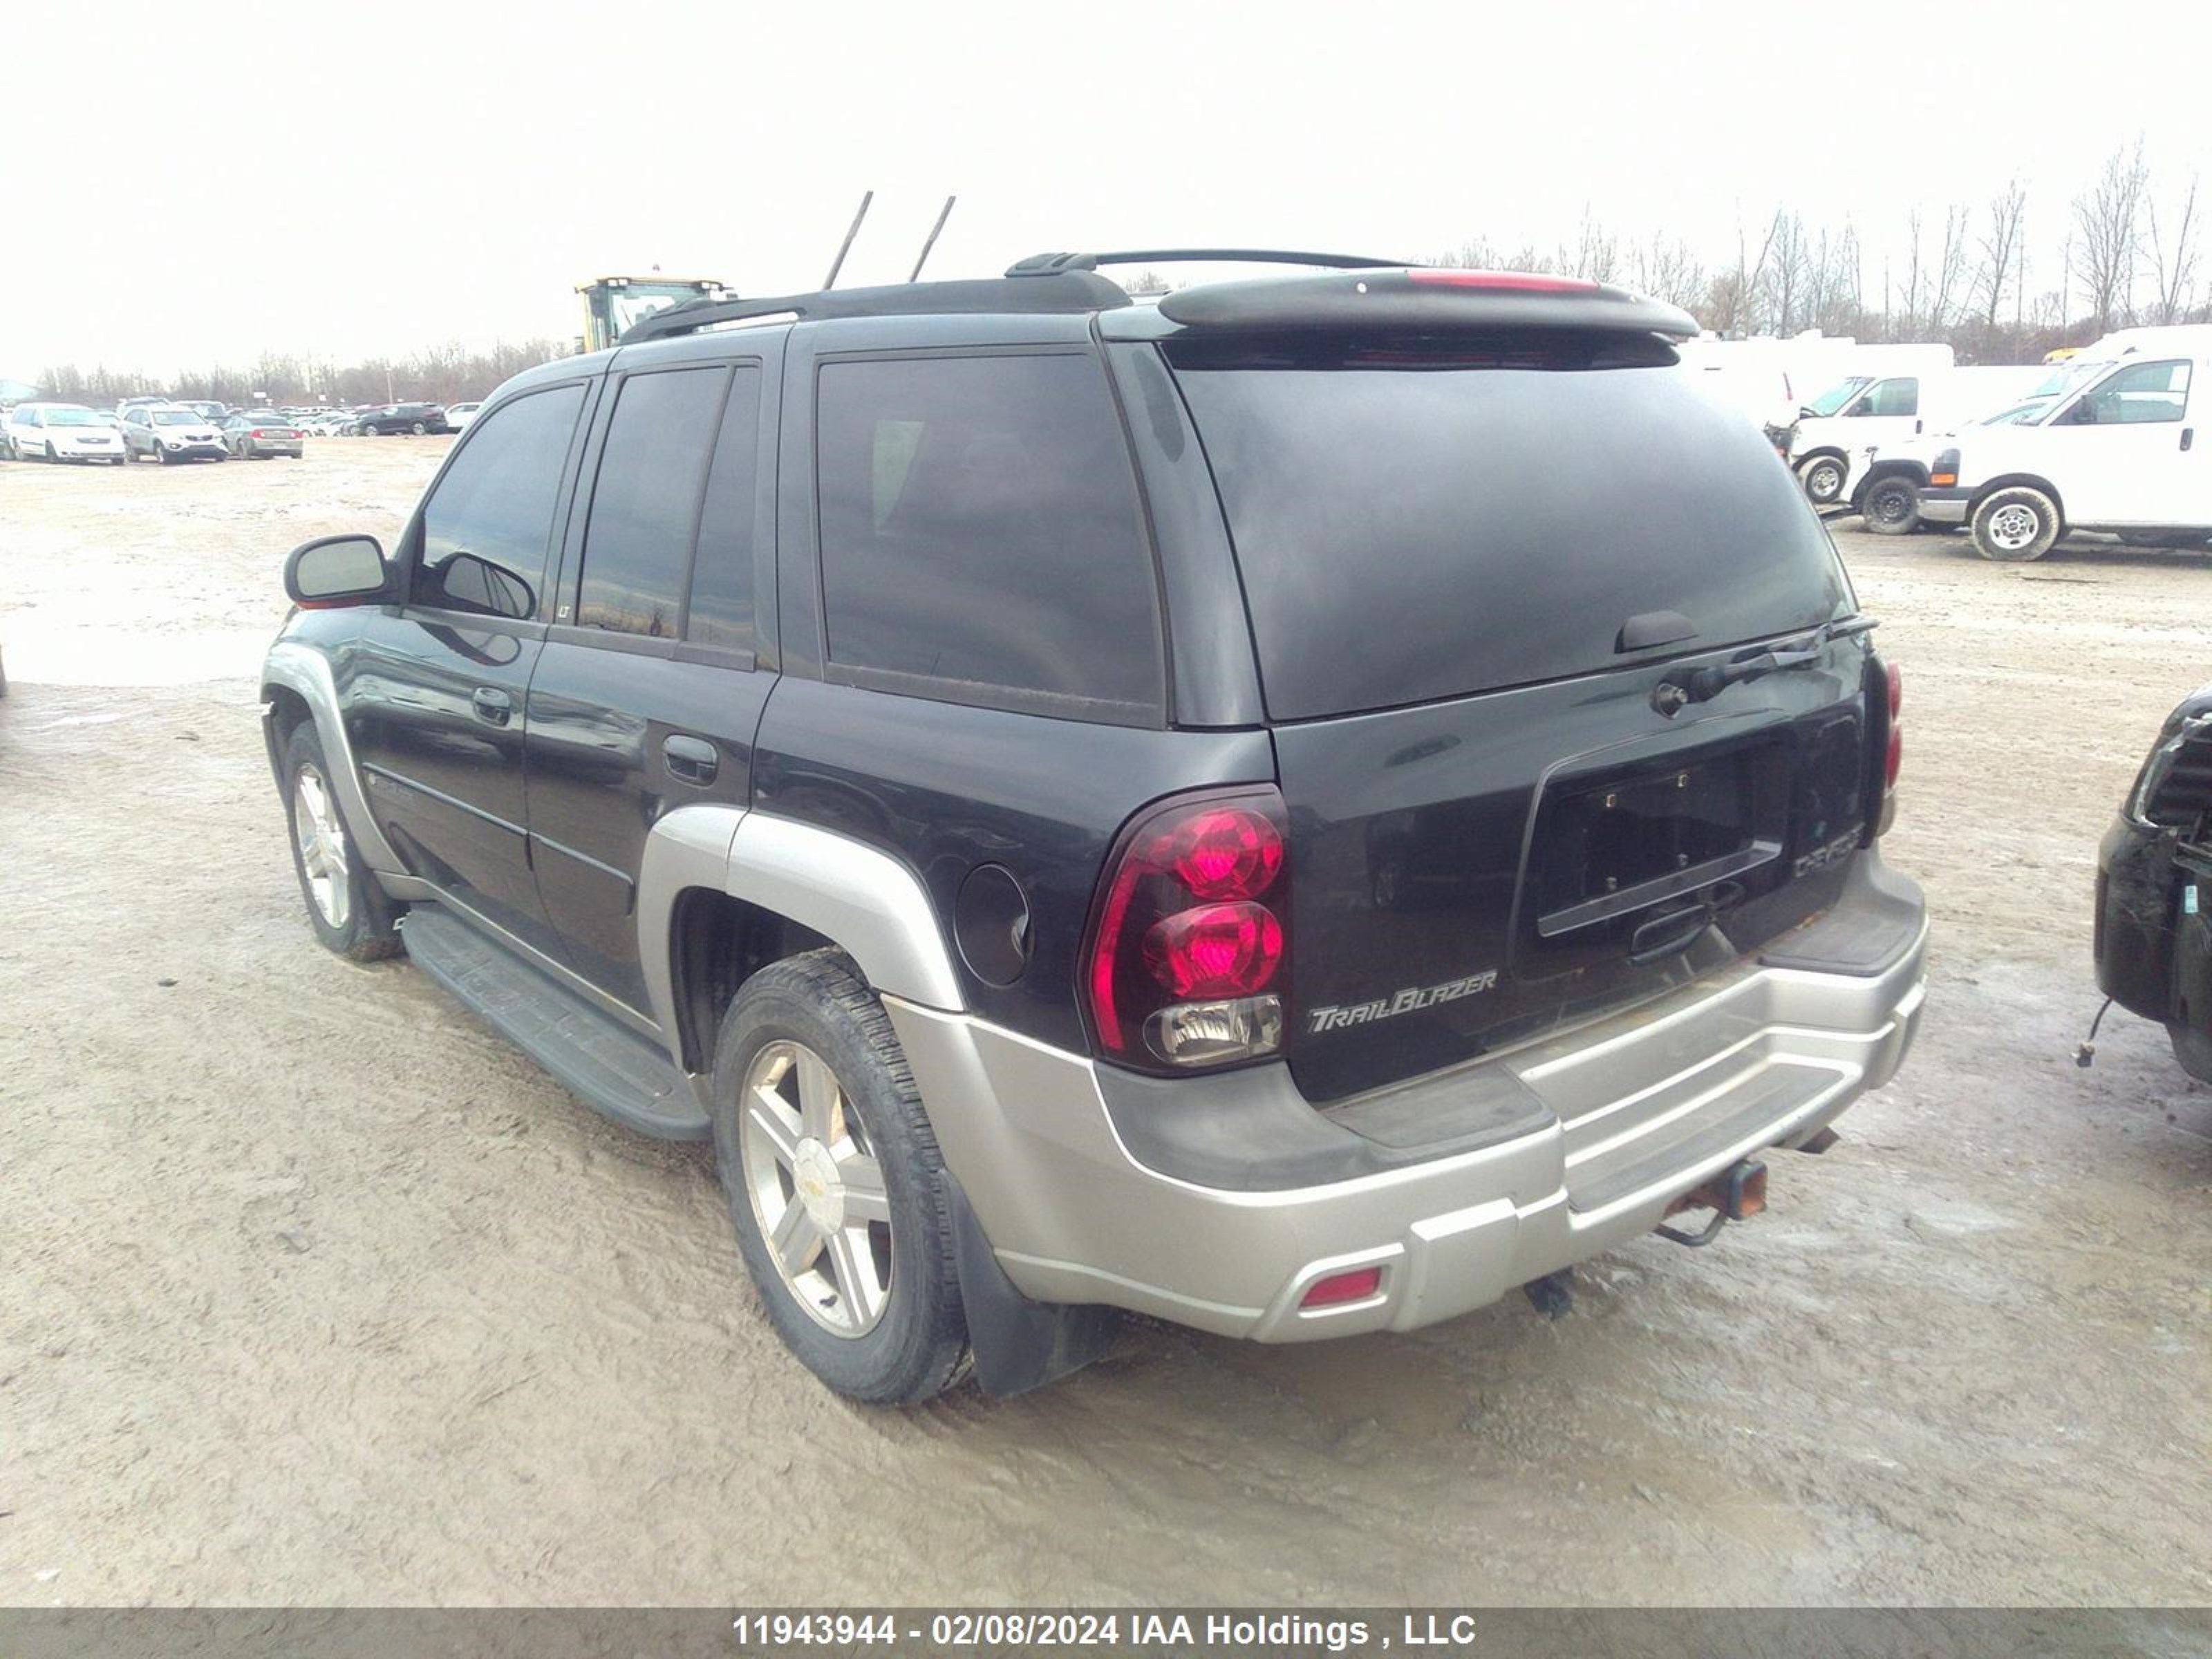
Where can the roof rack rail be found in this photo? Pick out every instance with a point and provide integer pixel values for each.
(1053, 265)
(1074, 290)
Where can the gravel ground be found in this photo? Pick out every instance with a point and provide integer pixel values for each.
(313, 1290)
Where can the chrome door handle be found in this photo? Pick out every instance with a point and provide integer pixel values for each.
(692, 759)
(492, 704)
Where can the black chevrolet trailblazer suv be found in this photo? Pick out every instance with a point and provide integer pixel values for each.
(1295, 809)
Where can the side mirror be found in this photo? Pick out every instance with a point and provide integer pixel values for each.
(336, 570)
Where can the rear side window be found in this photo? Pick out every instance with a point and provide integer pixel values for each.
(645, 507)
(980, 529)
(487, 526)
(1414, 526)
(721, 612)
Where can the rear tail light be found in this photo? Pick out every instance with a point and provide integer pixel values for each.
(1886, 696)
(1187, 962)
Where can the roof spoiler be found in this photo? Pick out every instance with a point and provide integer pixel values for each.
(1420, 300)
(1051, 265)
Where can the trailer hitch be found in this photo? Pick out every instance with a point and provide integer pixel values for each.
(1737, 1193)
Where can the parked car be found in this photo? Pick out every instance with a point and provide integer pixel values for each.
(1827, 443)
(2117, 453)
(258, 435)
(415, 418)
(59, 432)
(208, 409)
(167, 432)
(2153, 919)
(995, 872)
(458, 416)
(324, 424)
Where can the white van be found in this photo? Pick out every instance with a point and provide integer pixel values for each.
(1831, 441)
(2119, 453)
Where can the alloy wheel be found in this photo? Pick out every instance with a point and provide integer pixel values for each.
(322, 844)
(817, 1189)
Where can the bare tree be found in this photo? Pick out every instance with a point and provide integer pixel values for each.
(1781, 295)
(2105, 218)
(1595, 255)
(1915, 284)
(2001, 246)
(1665, 269)
(2174, 257)
(1946, 281)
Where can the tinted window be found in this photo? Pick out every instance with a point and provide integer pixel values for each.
(646, 501)
(722, 573)
(1409, 531)
(488, 526)
(979, 525)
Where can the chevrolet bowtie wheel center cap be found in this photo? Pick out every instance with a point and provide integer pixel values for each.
(814, 1174)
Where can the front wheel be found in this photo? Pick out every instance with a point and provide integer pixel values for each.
(1891, 508)
(835, 1184)
(53, 454)
(350, 912)
(2017, 524)
(1822, 478)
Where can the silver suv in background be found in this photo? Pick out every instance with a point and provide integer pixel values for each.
(170, 432)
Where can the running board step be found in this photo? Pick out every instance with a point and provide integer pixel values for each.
(598, 1059)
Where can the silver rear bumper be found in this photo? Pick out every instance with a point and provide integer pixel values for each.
(1631, 1112)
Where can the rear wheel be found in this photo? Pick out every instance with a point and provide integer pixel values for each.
(835, 1184)
(2017, 524)
(1891, 506)
(350, 912)
(1822, 478)
(418, 429)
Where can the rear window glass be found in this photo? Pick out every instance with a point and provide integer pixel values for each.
(1410, 527)
(980, 528)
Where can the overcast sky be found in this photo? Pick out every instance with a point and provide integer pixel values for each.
(182, 185)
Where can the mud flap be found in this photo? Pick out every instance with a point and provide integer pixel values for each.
(1018, 1343)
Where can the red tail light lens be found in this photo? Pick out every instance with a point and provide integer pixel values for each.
(1186, 961)
(1522, 280)
(1215, 951)
(1229, 852)
(1888, 703)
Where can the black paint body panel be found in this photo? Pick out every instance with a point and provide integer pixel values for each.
(946, 788)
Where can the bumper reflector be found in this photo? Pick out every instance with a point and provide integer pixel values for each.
(1354, 1287)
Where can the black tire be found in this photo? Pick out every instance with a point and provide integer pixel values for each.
(1822, 480)
(1891, 506)
(366, 932)
(918, 1347)
(418, 429)
(53, 455)
(119, 460)
(2001, 532)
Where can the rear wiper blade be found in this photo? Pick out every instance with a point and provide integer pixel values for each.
(1671, 697)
